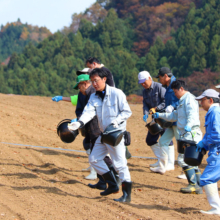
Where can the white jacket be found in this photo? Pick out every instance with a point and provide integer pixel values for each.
(187, 113)
(114, 107)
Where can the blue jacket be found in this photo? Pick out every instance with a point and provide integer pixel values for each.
(211, 139)
(170, 98)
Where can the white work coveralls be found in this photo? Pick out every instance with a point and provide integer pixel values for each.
(114, 107)
(187, 114)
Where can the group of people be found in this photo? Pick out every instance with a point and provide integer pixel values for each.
(101, 104)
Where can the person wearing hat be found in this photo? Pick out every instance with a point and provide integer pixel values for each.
(171, 101)
(110, 106)
(211, 142)
(188, 124)
(92, 131)
(153, 100)
(93, 63)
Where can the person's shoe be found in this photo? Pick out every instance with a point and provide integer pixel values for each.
(109, 178)
(211, 191)
(182, 176)
(156, 149)
(115, 174)
(155, 164)
(92, 175)
(101, 185)
(170, 167)
(126, 189)
(158, 170)
(191, 177)
(88, 169)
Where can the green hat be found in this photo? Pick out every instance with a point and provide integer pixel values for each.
(81, 78)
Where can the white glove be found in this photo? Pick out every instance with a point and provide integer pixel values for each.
(115, 124)
(74, 126)
(169, 109)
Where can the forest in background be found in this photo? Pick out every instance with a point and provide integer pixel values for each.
(127, 36)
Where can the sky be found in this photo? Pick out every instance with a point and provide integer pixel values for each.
(53, 14)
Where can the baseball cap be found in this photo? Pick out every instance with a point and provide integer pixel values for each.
(84, 71)
(217, 87)
(163, 71)
(81, 78)
(142, 76)
(211, 93)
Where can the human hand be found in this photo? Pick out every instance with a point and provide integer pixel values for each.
(74, 126)
(57, 98)
(74, 120)
(169, 109)
(155, 115)
(187, 128)
(145, 118)
(115, 124)
(199, 146)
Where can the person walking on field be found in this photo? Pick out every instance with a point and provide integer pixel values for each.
(211, 142)
(188, 124)
(153, 100)
(167, 155)
(111, 107)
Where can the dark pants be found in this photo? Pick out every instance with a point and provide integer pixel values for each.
(153, 139)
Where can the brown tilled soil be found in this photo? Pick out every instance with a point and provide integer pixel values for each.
(40, 183)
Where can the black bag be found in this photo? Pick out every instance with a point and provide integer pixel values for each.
(127, 137)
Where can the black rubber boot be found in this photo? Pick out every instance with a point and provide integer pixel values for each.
(126, 189)
(116, 175)
(112, 184)
(100, 185)
(193, 187)
(127, 153)
(198, 174)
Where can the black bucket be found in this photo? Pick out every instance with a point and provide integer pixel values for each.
(181, 144)
(154, 128)
(112, 136)
(163, 123)
(193, 157)
(66, 135)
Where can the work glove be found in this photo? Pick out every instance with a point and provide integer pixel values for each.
(152, 111)
(169, 109)
(155, 115)
(57, 98)
(187, 128)
(74, 120)
(199, 146)
(74, 126)
(145, 118)
(115, 124)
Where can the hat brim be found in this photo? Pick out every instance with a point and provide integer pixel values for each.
(217, 87)
(200, 97)
(157, 76)
(141, 81)
(76, 86)
(80, 72)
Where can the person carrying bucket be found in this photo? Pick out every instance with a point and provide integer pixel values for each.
(211, 142)
(188, 124)
(111, 108)
(154, 100)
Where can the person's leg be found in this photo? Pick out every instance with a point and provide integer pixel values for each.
(120, 163)
(151, 140)
(164, 142)
(87, 146)
(96, 159)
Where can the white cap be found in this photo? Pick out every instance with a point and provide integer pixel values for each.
(217, 87)
(211, 93)
(143, 76)
(84, 71)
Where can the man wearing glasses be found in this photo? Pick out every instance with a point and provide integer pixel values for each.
(111, 107)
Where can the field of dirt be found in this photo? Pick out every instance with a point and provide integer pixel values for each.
(46, 182)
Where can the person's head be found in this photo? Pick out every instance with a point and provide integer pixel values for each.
(164, 76)
(92, 63)
(84, 71)
(179, 87)
(144, 78)
(98, 78)
(208, 97)
(82, 83)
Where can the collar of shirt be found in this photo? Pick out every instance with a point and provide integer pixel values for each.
(101, 94)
